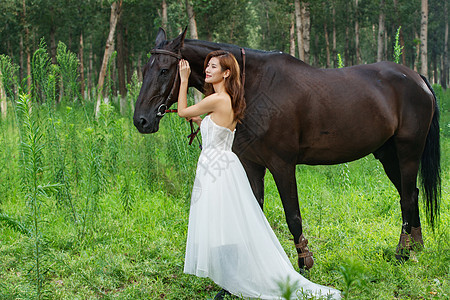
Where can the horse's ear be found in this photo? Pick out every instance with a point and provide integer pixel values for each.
(179, 40)
(160, 37)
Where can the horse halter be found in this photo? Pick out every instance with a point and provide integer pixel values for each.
(162, 109)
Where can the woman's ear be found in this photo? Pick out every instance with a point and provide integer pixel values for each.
(226, 74)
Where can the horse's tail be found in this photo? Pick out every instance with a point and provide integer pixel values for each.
(430, 167)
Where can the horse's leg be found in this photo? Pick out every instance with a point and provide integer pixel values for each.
(255, 174)
(409, 201)
(284, 176)
(402, 171)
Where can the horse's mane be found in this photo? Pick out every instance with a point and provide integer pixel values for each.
(225, 46)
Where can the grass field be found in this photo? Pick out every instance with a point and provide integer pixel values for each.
(92, 209)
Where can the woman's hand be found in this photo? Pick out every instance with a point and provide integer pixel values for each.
(197, 120)
(185, 70)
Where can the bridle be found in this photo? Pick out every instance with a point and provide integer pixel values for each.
(162, 109)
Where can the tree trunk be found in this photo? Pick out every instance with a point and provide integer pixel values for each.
(139, 67)
(334, 37)
(381, 32)
(82, 83)
(53, 44)
(385, 45)
(292, 36)
(21, 52)
(164, 15)
(27, 45)
(445, 55)
(127, 59)
(90, 73)
(327, 44)
(194, 35)
(115, 14)
(121, 68)
(306, 22)
(192, 22)
(434, 73)
(423, 39)
(3, 103)
(298, 22)
(347, 47)
(417, 57)
(358, 52)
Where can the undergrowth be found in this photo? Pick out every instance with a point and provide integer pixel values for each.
(90, 208)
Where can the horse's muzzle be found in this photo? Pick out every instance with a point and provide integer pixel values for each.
(143, 125)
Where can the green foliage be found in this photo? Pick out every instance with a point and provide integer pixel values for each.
(115, 226)
(397, 48)
(32, 155)
(109, 82)
(9, 75)
(12, 223)
(42, 78)
(340, 62)
(68, 65)
(353, 275)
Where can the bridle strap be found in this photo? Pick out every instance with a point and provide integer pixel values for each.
(194, 133)
(178, 57)
(166, 52)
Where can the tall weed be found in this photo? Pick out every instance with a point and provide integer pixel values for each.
(10, 76)
(43, 81)
(68, 69)
(32, 163)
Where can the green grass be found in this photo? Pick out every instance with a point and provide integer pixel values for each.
(117, 227)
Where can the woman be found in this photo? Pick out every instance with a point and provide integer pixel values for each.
(229, 239)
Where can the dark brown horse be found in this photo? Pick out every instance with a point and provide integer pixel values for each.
(298, 114)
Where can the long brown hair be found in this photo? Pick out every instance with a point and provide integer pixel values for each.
(233, 83)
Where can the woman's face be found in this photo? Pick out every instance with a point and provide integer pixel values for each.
(214, 71)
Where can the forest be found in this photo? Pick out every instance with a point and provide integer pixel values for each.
(360, 31)
(92, 209)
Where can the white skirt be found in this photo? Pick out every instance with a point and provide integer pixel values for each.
(229, 239)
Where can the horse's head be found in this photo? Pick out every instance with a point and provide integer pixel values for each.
(160, 83)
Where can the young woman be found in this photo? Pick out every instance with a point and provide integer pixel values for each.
(229, 239)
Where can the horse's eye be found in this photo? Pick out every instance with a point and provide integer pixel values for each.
(164, 71)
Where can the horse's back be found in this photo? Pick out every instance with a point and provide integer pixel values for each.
(337, 115)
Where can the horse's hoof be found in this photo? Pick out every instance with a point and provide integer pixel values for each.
(305, 257)
(306, 263)
(221, 295)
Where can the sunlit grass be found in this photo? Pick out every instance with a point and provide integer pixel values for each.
(351, 216)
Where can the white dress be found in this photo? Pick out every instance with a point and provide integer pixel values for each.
(229, 239)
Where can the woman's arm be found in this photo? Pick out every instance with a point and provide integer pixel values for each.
(205, 106)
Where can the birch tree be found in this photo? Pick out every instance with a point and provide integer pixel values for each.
(116, 8)
(3, 103)
(292, 36)
(358, 52)
(381, 29)
(299, 30)
(306, 24)
(423, 39)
